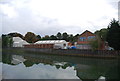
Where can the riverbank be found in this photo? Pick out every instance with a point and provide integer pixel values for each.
(69, 52)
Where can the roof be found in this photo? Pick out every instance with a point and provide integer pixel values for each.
(86, 32)
(50, 41)
(19, 40)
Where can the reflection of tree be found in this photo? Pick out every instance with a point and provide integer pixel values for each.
(86, 68)
(57, 66)
(113, 73)
(66, 65)
(28, 63)
(6, 58)
(95, 71)
(45, 62)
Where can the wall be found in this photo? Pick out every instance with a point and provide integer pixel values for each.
(75, 52)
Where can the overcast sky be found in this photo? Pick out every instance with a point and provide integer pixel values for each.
(46, 17)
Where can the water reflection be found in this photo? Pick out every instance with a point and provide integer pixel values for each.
(40, 66)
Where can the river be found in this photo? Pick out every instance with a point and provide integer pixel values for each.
(41, 66)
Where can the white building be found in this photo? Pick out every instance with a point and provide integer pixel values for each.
(18, 42)
(57, 43)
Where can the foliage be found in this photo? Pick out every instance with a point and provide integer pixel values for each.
(71, 38)
(59, 36)
(38, 37)
(65, 36)
(45, 38)
(7, 41)
(94, 44)
(102, 33)
(62, 36)
(52, 37)
(16, 35)
(30, 37)
(113, 35)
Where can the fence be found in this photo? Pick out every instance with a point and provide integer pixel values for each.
(75, 52)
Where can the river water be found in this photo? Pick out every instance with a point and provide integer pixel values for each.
(41, 66)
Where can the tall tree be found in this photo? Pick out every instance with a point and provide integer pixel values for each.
(52, 37)
(113, 35)
(102, 34)
(71, 38)
(46, 37)
(7, 41)
(59, 36)
(65, 36)
(38, 37)
(16, 35)
(30, 37)
(75, 38)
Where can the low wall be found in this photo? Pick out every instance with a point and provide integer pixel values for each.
(74, 52)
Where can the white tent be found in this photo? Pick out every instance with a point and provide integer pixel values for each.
(57, 43)
(18, 42)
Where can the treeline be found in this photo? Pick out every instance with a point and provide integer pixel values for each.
(110, 35)
(30, 37)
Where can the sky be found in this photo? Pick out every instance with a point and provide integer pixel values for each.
(47, 17)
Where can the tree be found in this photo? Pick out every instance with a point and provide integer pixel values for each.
(46, 37)
(16, 35)
(52, 37)
(65, 36)
(102, 33)
(113, 35)
(59, 36)
(30, 37)
(71, 38)
(94, 44)
(7, 41)
(76, 37)
(38, 37)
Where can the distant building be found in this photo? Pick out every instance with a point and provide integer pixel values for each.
(57, 44)
(84, 40)
(18, 42)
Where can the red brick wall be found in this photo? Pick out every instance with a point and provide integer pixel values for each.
(39, 46)
(85, 34)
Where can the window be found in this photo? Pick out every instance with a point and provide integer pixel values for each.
(91, 37)
(82, 38)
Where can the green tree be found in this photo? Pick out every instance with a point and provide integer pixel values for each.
(46, 37)
(102, 33)
(65, 36)
(94, 44)
(30, 37)
(38, 37)
(7, 41)
(113, 35)
(71, 38)
(52, 37)
(75, 38)
(59, 36)
(16, 35)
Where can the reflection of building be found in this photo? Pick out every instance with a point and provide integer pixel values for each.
(84, 40)
(18, 42)
(16, 59)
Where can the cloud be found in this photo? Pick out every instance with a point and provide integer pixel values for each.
(39, 71)
(51, 16)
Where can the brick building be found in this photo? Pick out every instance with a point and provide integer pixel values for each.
(84, 40)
